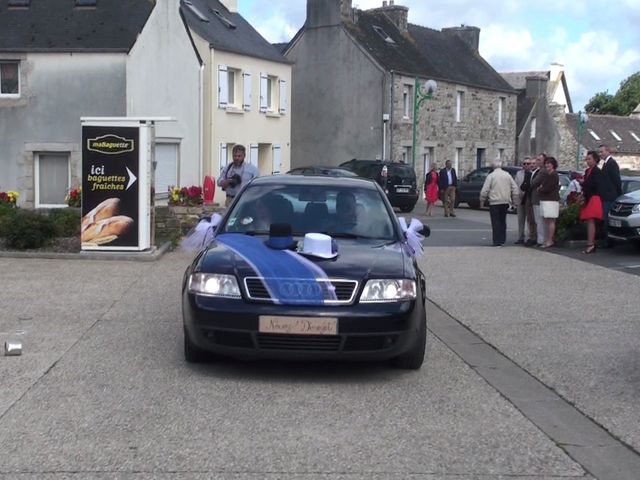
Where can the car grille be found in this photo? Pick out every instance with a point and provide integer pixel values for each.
(317, 343)
(621, 209)
(345, 290)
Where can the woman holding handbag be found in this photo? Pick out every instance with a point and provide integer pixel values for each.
(591, 210)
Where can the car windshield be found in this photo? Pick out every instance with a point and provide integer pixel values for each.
(336, 211)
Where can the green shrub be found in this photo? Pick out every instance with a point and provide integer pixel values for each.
(6, 209)
(568, 222)
(66, 221)
(29, 229)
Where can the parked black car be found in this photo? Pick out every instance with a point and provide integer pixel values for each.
(247, 295)
(398, 180)
(469, 186)
(322, 170)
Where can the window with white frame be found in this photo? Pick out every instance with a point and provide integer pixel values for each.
(166, 167)
(459, 105)
(501, 154)
(407, 95)
(534, 126)
(406, 154)
(9, 78)
(52, 179)
(428, 157)
(230, 85)
(273, 94)
(501, 101)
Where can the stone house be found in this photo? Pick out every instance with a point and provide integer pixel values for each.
(355, 74)
(542, 95)
(621, 134)
(246, 89)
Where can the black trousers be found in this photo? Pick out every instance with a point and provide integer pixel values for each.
(499, 222)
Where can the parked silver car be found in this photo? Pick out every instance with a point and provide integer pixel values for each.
(624, 217)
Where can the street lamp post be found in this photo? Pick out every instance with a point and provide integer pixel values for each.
(583, 118)
(420, 96)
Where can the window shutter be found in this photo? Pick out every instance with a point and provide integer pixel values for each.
(277, 160)
(223, 86)
(253, 154)
(246, 103)
(223, 156)
(283, 97)
(264, 102)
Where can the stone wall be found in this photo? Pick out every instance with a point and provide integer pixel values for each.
(174, 222)
(439, 130)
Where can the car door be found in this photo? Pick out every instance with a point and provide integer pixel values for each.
(470, 186)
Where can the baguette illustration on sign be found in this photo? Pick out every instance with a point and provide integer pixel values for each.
(110, 144)
(103, 225)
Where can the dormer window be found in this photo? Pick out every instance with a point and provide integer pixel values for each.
(384, 35)
(615, 135)
(594, 135)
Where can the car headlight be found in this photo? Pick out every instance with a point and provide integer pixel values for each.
(214, 285)
(376, 291)
(636, 208)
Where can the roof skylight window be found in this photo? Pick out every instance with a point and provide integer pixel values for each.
(225, 21)
(615, 135)
(594, 135)
(634, 136)
(86, 3)
(196, 11)
(19, 3)
(384, 35)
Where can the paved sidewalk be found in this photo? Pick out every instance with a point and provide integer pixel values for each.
(573, 325)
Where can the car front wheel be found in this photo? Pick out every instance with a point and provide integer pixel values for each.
(407, 208)
(414, 358)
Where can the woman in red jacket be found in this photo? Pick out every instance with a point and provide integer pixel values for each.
(591, 210)
(431, 189)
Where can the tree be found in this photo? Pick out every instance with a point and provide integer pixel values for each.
(622, 103)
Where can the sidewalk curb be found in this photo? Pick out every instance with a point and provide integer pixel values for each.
(149, 256)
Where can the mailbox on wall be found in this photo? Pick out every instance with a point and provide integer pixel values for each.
(117, 184)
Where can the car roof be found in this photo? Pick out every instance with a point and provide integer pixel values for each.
(630, 178)
(313, 180)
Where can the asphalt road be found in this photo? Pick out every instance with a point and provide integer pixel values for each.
(472, 228)
(102, 390)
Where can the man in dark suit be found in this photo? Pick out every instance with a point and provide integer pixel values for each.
(611, 189)
(447, 183)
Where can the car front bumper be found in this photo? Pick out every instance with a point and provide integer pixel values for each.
(365, 331)
(624, 228)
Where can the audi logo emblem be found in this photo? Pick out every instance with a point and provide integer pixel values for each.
(300, 290)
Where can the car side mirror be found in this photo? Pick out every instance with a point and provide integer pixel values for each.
(425, 232)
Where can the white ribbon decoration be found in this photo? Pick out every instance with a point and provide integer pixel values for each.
(414, 239)
(201, 235)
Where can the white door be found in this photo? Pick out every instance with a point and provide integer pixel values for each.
(277, 160)
(166, 168)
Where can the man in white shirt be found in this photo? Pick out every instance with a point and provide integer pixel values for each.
(501, 190)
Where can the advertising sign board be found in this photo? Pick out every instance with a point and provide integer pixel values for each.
(116, 190)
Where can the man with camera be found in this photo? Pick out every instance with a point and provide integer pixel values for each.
(235, 174)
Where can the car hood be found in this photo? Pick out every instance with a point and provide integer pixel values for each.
(357, 260)
(631, 197)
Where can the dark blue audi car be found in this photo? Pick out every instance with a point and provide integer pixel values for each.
(307, 268)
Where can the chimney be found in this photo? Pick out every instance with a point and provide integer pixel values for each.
(469, 35)
(231, 5)
(398, 14)
(325, 13)
(537, 87)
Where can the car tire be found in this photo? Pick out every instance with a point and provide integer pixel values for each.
(407, 208)
(474, 204)
(414, 358)
(193, 353)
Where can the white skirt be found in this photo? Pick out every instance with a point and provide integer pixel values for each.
(549, 209)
